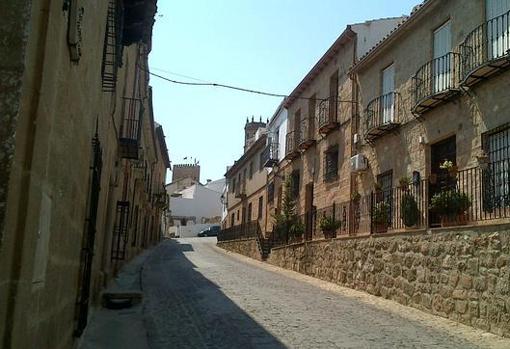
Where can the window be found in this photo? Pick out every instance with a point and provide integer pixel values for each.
(270, 192)
(385, 182)
(237, 214)
(295, 183)
(498, 29)
(387, 99)
(233, 187)
(135, 226)
(261, 161)
(442, 68)
(261, 203)
(333, 93)
(248, 218)
(250, 173)
(331, 164)
(232, 219)
(496, 178)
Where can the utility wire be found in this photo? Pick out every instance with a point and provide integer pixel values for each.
(242, 89)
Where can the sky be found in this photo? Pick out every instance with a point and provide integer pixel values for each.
(267, 45)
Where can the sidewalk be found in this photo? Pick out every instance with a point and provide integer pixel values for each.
(124, 328)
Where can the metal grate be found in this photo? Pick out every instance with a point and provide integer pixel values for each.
(112, 49)
(120, 231)
(89, 238)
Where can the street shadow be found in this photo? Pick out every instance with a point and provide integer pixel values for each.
(183, 309)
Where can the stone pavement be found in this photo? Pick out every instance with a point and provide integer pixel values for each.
(123, 328)
(198, 296)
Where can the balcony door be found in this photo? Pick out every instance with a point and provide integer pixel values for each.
(442, 61)
(388, 99)
(498, 27)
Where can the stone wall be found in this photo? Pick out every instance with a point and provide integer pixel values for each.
(14, 17)
(247, 247)
(461, 274)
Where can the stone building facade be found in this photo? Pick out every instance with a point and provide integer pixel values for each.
(83, 163)
(318, 141)
(436, 91)
(246, 181)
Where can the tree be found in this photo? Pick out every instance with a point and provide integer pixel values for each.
(287, 222)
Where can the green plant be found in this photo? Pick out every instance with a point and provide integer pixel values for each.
(286, 222)
(450, 203)
(355, 196)
(409, 213)
(380, 213)
(296, 228)
(404, 182)
(329, 224)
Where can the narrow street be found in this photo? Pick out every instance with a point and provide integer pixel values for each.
(198, 296)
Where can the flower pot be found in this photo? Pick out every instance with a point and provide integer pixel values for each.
(329, 234)
(380, 228)
(460, 219)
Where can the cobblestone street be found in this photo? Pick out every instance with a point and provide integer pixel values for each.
(198, 296)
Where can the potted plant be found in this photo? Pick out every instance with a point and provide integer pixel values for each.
(328, 225)
(296, 231)
(409, 212)
(450, 167)
(451, 206)
(380, 217)
(404, 183)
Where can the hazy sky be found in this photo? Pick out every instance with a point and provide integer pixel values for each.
(259, 44)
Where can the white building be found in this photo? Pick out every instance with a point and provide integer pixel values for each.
(195, 208)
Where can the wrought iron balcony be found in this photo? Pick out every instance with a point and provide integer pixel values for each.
(328, 115)
(486, 50)
(382, 116)
(270, 155)
(291, 145)
(240, 191)
(306, 133)
(436, 82)
(129, 135)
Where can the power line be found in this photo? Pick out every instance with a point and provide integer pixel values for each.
(236, 88)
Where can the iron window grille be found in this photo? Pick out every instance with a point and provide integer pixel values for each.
(112, 47)
(120, 231)
(331, 164)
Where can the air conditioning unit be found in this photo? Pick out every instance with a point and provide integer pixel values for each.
(358, 163)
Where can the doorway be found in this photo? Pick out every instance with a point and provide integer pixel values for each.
(309, 211)
(440, 179)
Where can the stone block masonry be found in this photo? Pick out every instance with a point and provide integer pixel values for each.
(247, 247)
(461, 274)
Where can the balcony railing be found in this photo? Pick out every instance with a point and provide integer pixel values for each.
(129, 135)
(436, 82)
(328, 115)
(306, 133)
(239, 232)
(382, 116)
(486, 50)
(291, 145)
(270, 155)
(240, 190)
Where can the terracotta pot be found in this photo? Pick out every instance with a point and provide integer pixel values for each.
(329, 234)
(460, 219)
(380, 228)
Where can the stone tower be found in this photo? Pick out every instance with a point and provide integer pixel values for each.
(250, 129)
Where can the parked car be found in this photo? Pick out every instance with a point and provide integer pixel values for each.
(211, 231)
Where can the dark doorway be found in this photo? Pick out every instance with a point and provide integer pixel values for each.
(440, 179)
(309, 211)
